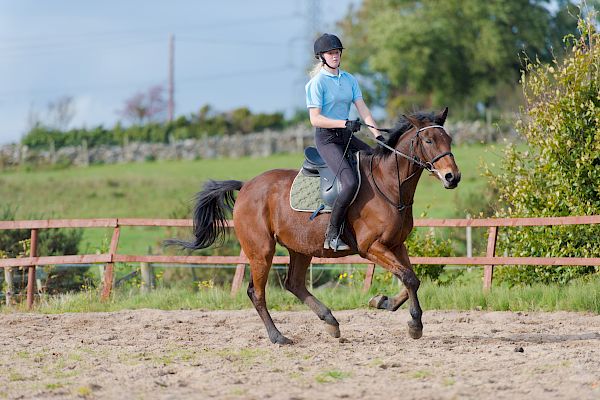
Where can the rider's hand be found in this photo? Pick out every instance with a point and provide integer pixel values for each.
(353, 125)
(380, 138)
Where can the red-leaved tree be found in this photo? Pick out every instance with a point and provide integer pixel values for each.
(149, 106)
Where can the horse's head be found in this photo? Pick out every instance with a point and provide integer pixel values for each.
(430, 146)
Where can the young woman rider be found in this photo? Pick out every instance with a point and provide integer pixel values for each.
(329, 94)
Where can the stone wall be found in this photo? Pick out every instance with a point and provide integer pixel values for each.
(253, 145)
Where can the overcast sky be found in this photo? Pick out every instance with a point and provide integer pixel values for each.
(228, 53)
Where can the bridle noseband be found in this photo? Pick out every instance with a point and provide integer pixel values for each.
(413, 158)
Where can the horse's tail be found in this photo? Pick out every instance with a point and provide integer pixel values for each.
(210, 214)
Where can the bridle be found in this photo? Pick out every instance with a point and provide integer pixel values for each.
(414, 160)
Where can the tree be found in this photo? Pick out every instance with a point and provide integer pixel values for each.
(61, 112)
(431, 53)
(150, 106)
(58, 116)
(559, 173)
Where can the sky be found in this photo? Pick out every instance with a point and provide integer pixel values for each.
(228, 53)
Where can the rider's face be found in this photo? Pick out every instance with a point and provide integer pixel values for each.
(333, 57)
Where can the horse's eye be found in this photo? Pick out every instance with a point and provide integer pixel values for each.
(428, 141)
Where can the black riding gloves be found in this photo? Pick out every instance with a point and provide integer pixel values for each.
(380, 138)
(353, 125)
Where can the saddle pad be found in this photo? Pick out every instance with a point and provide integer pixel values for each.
(305, 192)
(304, 195)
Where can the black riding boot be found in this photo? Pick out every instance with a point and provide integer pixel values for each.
(335, 229)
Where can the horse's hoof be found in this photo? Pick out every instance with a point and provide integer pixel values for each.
(333, 330)
(281, 340)
(415, 332)
(378, 301)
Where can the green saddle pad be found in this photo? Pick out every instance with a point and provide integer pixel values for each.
(304, 195)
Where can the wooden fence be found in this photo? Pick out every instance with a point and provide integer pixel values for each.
(492, 224)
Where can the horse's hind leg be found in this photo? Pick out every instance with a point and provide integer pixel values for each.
(389, 303)
(295, 282)
(259, 273)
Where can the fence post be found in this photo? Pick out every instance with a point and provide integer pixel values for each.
(238, 278)
(109, 270)
(8, 278)
(368, 277)
(488, 270)
(31, 269)
(147, 277)
(469, 238)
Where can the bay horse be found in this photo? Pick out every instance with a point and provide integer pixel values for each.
(379, 220)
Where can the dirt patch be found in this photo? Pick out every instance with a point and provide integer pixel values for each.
(154, 354)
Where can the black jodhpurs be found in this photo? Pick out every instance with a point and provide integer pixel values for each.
(331, 144)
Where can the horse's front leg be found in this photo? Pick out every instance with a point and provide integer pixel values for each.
(398, 263)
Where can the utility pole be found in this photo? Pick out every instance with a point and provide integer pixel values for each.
(171, 109)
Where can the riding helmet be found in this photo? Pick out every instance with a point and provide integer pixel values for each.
(326, 43)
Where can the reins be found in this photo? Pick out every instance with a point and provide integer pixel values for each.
(428, 165)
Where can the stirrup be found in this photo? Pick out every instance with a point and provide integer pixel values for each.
(335, 244)
(334, 241)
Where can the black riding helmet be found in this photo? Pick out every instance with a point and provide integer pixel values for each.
(325, 43)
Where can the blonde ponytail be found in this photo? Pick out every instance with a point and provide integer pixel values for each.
(315, 69)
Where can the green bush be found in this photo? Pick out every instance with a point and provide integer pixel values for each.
(428, 245)
(240, 120)
(559, 173)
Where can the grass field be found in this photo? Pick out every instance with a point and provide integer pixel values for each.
(466, 294)
(164, 189)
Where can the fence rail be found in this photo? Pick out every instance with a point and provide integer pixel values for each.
(116, 223)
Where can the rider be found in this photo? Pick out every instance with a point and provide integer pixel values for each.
(329, 94)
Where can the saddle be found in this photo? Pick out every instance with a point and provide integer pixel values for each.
(315, 188)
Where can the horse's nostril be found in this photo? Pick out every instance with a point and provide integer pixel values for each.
(449, 176)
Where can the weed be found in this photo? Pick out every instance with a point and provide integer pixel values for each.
(421, 374)
(332, 376)
(83, 391)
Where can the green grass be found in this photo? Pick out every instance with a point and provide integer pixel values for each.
(580, 295)
(163, 189)
(332, 376)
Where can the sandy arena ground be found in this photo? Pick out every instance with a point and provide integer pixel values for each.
(152, 354)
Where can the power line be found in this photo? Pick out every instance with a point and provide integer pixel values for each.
(129, 86)
(46, 50)
(237, 42)
(158, 30)
(259, 71)
(61, 47)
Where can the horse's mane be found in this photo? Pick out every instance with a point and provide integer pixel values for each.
(402, 126)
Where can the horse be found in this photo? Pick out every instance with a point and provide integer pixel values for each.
(378, 221)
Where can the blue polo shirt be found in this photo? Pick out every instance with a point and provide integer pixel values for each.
(333, 94)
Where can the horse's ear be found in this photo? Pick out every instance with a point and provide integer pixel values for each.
(441, 117)
(414, 121)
